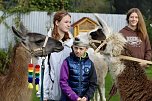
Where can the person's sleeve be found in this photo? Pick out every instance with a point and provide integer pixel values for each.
(148, 53)
(46, 81)
(66, 89)
(92, 84)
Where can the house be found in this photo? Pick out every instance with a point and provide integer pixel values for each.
(83, 25)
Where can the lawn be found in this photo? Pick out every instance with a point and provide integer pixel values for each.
(108, 86)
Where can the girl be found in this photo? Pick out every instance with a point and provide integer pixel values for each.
(138, 44)
(62, 24)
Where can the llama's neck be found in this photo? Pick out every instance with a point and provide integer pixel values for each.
(20, 61)
(115, 66)
(15, 83)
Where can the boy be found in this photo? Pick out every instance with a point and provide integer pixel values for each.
(78, 79)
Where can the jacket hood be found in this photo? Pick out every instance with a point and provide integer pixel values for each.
(128, 29)
(69, 42)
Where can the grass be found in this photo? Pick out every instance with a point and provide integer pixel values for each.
(34, 96)
(108, 86)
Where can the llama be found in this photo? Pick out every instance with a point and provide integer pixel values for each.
(100, 66)
(100, 40)
(132, 82)
(129, 77)
(101, 69)
(14, 85)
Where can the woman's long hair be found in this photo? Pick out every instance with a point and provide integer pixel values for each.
(141, 27)
(58, 17)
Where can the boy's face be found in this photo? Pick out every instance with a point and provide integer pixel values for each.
(79, 50)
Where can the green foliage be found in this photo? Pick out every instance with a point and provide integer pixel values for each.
(5, 57)
(2, 18)
(17, 20)
(122, 6)
(45, 5)
(149, 29)
(23, 6)
(91, 6)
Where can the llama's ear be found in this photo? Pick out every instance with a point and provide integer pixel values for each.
(23, 29)
(98, 20)
(103, 24)
(18, 33)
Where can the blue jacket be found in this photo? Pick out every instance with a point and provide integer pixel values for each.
(78, 78)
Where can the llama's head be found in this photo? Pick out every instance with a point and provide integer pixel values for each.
(101, 36)
(34, 42)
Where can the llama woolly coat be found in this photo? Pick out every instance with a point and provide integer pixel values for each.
(133, 83)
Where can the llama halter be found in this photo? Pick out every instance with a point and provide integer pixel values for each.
(37, 49)
(102, 43)
(122, 57)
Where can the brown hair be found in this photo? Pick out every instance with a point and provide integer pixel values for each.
(141, 27)
(58, 17)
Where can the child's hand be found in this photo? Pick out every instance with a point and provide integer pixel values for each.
(79, 99)
(84, 99)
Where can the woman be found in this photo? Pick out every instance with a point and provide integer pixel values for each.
(138, 44)
(62, 23)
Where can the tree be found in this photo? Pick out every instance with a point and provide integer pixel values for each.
(22, 6)
(91, 6)
(122, 6)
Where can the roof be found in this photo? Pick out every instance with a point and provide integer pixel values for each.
(84, 18)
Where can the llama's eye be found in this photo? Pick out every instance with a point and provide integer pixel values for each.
(92, 33)
(77, 39)
(39, 41)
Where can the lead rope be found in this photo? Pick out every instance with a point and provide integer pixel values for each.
(43, 65)
(42, 76)
(49, 66)
(50, 70)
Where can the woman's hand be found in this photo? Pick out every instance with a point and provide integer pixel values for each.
(142, 64)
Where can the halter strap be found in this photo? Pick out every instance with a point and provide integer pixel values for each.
(102, 43)
(37, 49)
(92, 43)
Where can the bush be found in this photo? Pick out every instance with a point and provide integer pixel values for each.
(5, 60)
(149, 29)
